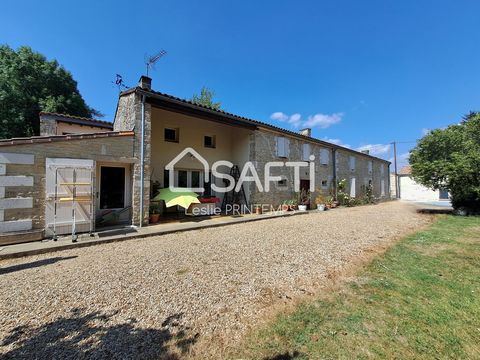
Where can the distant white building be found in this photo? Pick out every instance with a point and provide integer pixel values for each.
(412, 191)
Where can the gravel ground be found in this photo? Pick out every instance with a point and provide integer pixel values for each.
(161, 297)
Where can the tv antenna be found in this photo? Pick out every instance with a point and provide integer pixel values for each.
(151, 60)
(118, 82)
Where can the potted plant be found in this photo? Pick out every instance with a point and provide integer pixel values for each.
(258, 209)
(329, 203)
(303, 200)
(320, 200)
(154, 213)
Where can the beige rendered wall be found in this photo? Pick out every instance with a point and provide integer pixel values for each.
(232, 143)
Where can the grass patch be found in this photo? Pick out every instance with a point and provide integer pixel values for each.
(420, 300)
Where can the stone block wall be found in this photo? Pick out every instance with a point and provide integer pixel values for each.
(263, 150)
(129, 118)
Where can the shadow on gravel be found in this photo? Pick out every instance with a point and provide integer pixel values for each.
(34, 264)
(84, 336)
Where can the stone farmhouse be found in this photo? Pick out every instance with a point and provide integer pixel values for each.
(88, 173)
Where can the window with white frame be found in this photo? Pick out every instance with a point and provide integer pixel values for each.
(324, 156)
(370, 166)
(352, 163)
(324, 184)
(306, 152)
(282, 145)
(382, 169)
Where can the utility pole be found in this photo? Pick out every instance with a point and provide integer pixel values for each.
(395, 168)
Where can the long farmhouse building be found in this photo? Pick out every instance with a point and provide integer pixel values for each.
(109, 170)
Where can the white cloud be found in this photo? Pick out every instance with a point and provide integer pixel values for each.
(425, 131)
(336, 142)
(295, 120)
(402, 160)
(376, 149)
(323, 121)
(280, 116)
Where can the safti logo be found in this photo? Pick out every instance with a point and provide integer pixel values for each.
(248, 174)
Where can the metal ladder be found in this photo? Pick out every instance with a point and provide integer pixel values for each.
(233, 197)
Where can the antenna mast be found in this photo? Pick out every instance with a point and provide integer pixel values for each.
(151, 60)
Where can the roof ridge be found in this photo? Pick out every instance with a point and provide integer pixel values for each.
(107, 122)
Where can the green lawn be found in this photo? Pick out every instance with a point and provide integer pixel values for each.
(420, 300)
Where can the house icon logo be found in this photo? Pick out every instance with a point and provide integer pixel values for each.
(171, 168)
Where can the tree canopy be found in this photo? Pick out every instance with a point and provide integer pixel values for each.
(29, 83)
(450, 158)
(205, 98)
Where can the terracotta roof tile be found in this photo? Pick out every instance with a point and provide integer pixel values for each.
(78, 120)
(57, 138)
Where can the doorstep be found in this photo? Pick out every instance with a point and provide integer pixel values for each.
(129, 233)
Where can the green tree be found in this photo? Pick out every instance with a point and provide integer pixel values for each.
(450, 158)
(206, 99)
(29, 83)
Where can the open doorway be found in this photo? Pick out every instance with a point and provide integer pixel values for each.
(112, 187)
(113, 195)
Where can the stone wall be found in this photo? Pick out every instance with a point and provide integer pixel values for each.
(129, 117)
(107, 149)
(263, 150)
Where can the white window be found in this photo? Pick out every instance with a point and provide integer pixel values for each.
(306, 152)
(382, 185)
(370, 166)
(382, 169)
(324, 156)
(187, 178)
(282, 146)
(352, 163)
(324, 184)
(352, 187)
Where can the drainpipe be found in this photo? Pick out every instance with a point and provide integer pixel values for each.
(142, 161)
(334, 173)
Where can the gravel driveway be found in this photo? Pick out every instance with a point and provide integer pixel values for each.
(161, 297)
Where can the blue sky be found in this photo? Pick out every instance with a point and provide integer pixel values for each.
(360, 72)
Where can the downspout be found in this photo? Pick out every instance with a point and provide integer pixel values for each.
(334, 173)
(142, 161)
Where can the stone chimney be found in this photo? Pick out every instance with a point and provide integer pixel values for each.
(306, 132)
(145, 83)
(367, 152)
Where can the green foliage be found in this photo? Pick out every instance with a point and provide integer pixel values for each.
(417, 301)
(450, 158)
(206, 99)
(29, 83)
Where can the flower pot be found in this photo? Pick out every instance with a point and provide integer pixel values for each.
(258, 210)
(321, 207)
(285, 207)
(302, 207)
(154, 218)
